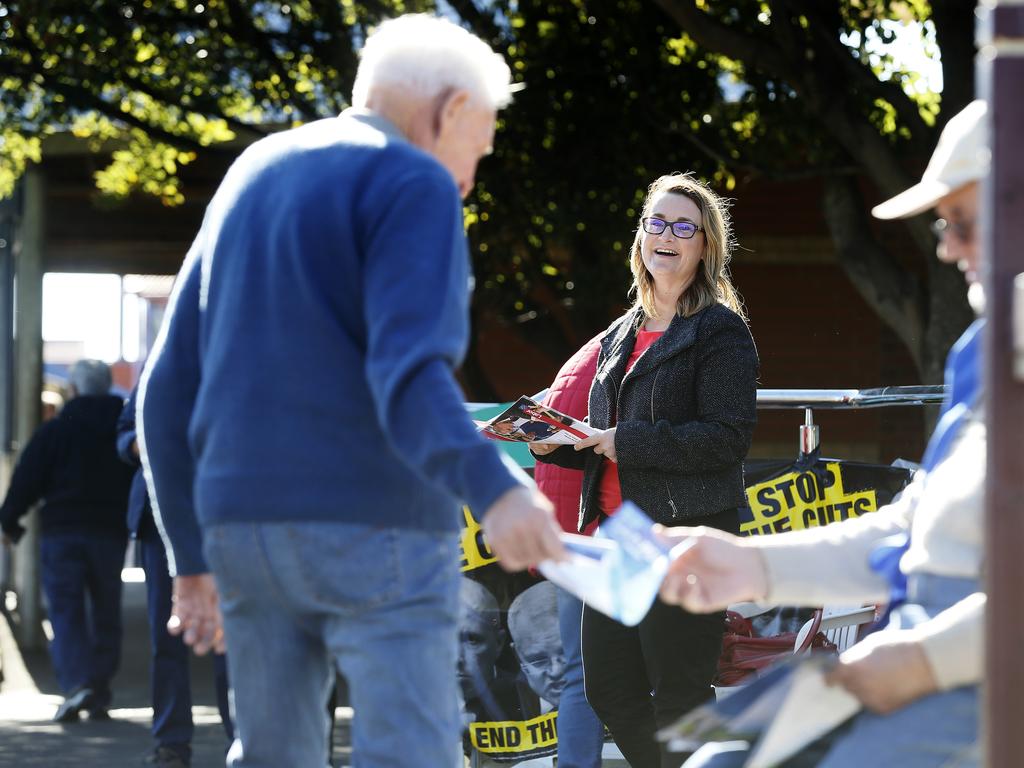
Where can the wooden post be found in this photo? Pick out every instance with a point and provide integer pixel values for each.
(28, 369)
(1001, 83)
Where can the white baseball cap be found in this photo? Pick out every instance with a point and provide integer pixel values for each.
(962, 156)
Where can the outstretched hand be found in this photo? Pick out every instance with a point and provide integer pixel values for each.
(521, 529)
(885, 671)
(195, 613)
(717, 569)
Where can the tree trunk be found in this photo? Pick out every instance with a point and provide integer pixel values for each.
(927, 317)
(889, 289)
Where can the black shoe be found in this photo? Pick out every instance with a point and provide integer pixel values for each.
(98, 714)
(72, 706)
(167, 757)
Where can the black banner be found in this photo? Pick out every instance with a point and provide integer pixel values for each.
(812, 491)
(510, 658)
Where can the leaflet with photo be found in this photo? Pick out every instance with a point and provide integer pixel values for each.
(527, 421)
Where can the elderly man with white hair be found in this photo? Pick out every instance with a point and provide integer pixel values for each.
(918, 677)
(301, 426)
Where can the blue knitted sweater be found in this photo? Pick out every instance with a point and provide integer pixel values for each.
(305, 367)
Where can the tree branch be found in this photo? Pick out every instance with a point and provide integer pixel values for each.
(244, 26)
(338, 50)
(208, 107)
(718, 37)
(89, 100)
(863, 77)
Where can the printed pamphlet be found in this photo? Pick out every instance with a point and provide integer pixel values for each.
(619, 570)
(527, 421)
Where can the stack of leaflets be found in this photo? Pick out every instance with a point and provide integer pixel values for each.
(619, 571)
(780, 713)
(527, 421)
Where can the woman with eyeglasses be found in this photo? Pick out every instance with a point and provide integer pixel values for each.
(674, 400)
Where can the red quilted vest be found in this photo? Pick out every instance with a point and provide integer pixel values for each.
(569, 393)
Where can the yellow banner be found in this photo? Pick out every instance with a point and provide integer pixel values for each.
(475, 552)
(514, 736)
(799, 500)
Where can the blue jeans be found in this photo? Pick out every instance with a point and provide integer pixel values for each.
(935, 731)
(379, 603)
(168, 669)
(81, 575)
(580, 733)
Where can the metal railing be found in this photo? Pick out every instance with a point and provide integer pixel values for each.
(850, 398)
(809, 399)
(832, 399)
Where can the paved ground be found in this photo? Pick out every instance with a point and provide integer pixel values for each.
(29, 696)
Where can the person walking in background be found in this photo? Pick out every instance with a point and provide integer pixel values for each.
(918, 677)
(300, 422)
(71, 464)
(168, 672)
(674, 400)
(580, 733)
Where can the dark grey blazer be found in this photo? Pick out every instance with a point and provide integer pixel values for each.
(684, 413)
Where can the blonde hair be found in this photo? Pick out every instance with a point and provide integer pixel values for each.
(711, 284)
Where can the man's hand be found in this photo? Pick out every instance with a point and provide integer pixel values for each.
(195, 613)
(603, 443)
(6, 540)
(886, 671)
(542, 449)
(521, 530)
(717, 569)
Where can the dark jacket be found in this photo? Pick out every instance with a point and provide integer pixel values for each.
(684, 416)
(72, 465)
(139, 510)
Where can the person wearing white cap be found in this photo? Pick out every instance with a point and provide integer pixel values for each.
(950, 186)
(918, 677)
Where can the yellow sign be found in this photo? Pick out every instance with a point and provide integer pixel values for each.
(799, 500)
(475, 552)
(514, 736)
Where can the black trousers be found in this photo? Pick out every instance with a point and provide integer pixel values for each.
(639, 679)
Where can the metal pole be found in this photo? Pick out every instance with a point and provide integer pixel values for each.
(809, 434)
(1001, 82)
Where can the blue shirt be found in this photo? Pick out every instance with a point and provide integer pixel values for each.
(963, 383)
(305, 367)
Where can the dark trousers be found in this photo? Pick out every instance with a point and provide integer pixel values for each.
(639, 679)
(81, 575)
(169, 675)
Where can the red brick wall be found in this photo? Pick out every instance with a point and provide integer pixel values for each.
(813, 331)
